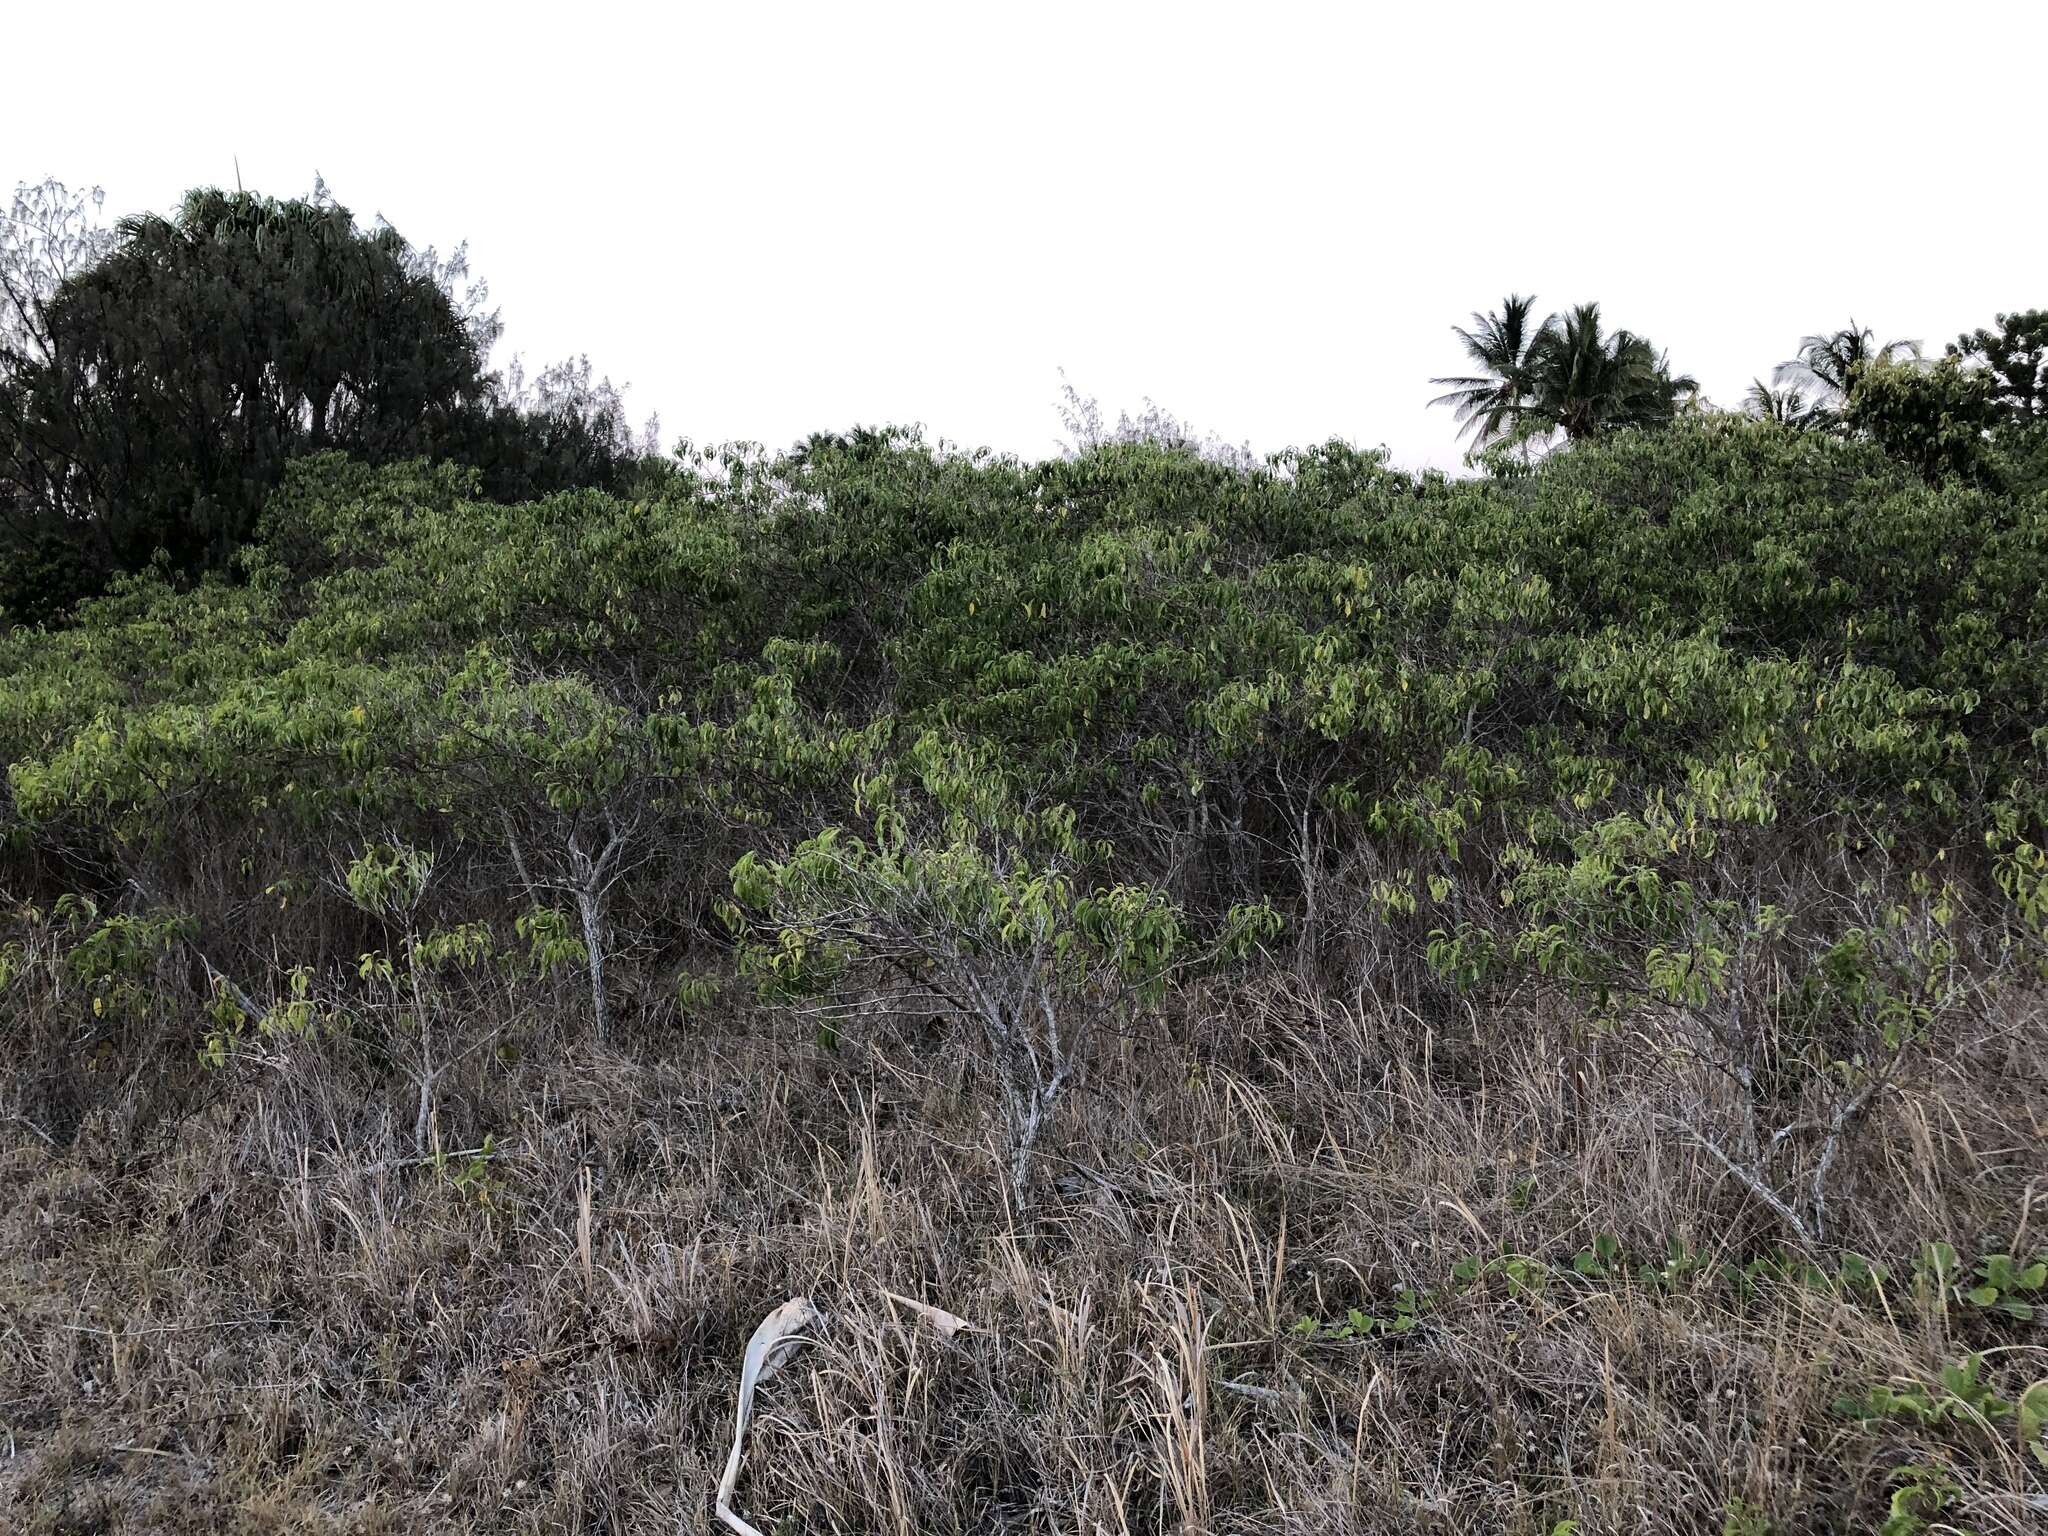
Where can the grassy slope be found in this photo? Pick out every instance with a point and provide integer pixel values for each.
(236, 1298)
(214, 1320)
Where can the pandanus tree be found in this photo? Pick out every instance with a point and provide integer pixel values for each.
(176, 376)
(157, 378)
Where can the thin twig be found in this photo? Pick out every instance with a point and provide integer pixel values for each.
(1747, 1177)
(136, 1333)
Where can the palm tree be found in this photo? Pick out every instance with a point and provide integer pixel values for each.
(1789, 406)
(1489, 404)
(1825, 362)
(1583, 381)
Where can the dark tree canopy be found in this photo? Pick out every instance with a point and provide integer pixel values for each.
(155, 380)
(562, 430)
(2016, 357)
(210, 347)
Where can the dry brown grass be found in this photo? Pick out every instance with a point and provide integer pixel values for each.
(234, 1300)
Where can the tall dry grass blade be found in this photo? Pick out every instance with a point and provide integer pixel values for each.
(947, 1323)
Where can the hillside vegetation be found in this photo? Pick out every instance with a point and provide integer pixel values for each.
(1389, 1002)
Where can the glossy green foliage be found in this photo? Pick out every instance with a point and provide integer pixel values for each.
(1935, 419)
(1551, 722)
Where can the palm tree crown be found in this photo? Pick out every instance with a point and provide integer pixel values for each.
(1788, 406)
(1588, 381)
(1826, 361)
(1565, 374)
(1489, 403)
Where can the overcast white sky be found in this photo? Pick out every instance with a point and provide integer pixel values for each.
(774, 219)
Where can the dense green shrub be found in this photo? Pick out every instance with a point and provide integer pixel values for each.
(1727, 727)
(1935, 419)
